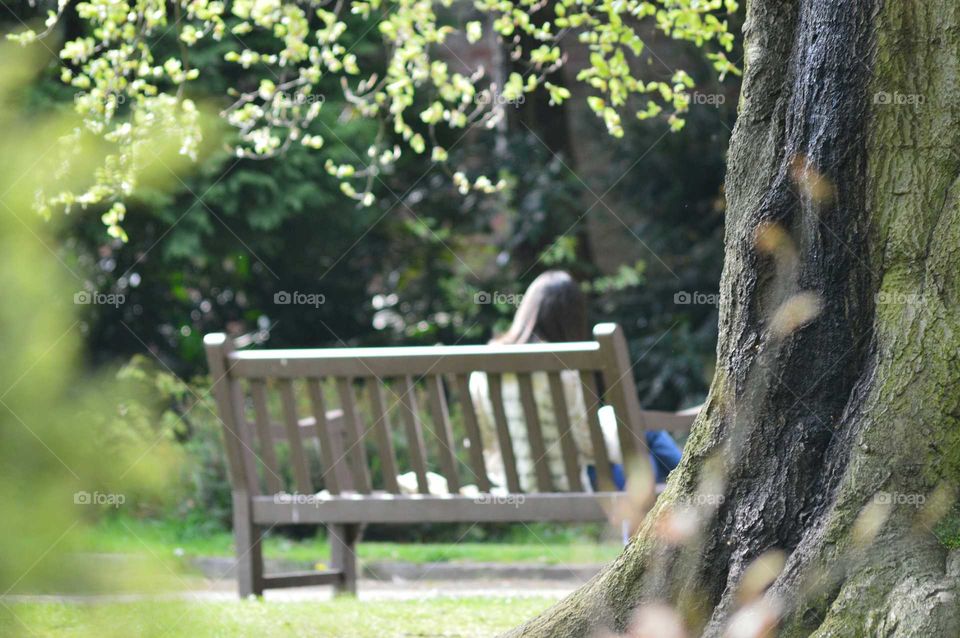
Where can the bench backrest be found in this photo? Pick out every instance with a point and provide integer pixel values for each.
(370, 383)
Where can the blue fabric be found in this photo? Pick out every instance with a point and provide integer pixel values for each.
(664, 455)
(619, 480)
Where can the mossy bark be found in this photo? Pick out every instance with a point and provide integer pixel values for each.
(849, 140)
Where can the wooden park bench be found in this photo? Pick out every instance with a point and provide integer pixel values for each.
(342, 439)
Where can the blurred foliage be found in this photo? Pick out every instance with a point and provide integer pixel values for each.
(680, 193)
(133, 68)
(67, 449)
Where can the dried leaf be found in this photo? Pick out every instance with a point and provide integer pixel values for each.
(935, 507)
(759, 575)
(771, 238)
(795, 312)
(678, 525)
(756, 620)
(810, 182)
(640, 495)
(870, 521)
(656, 620)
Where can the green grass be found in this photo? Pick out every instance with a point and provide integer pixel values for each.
(948, 529)
(164, 539)
(341, 618)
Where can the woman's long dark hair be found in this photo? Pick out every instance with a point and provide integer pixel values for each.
(553, 309)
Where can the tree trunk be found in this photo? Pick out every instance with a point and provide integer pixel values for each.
(834, 416)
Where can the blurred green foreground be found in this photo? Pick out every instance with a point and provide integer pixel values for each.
(462, 617)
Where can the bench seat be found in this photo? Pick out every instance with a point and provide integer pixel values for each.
(383, 507)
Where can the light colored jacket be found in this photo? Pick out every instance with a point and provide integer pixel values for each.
(516, 425)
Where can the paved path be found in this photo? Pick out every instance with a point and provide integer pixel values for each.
(214, 579)
(225, 591)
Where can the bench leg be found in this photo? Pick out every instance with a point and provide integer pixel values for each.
(343, 555)
(247, 538)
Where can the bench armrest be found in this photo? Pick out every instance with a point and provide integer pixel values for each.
(672, 422)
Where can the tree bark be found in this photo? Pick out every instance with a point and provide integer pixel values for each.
(832, 429)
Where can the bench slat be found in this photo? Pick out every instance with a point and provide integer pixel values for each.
(302, 579)
(415, 444)
(247, 438)
(495, 384)
(330, 478)
(443, 432)
(473, 433)
(601, 458)
(298, 459)
(382, 429)
(354, 436)
(418, 508)
(568, 443)
(268, 450)
(419, 360)
(541, 462)
(218, 348)
(619, 389)
(673, 422)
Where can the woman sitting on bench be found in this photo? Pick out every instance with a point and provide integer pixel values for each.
(554, 309)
